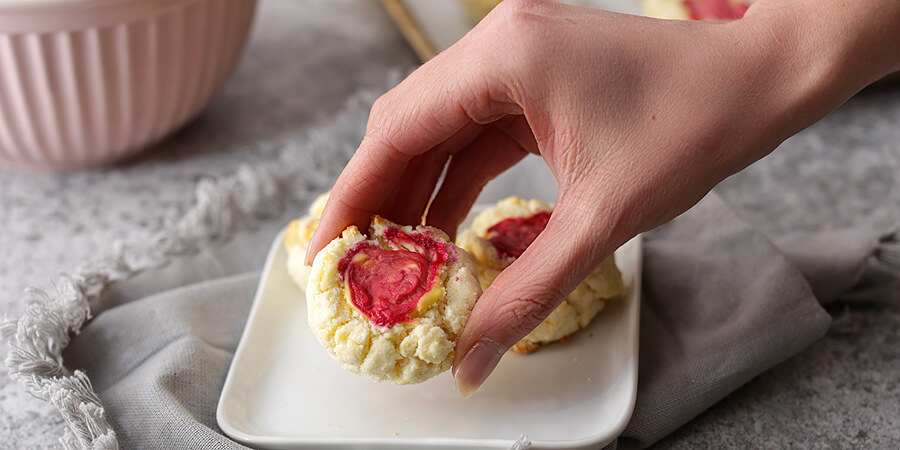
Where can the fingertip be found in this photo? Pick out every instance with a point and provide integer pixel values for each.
(343, 208)
(315, 246)
(307, 260)
(329, 228)
(323, 234)
(476, 366)
(313, 249)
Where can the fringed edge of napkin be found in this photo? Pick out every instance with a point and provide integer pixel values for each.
(222, 207)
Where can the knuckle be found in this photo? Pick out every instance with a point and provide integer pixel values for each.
(481, 104)
(378, 114)
(522, 314)
(523, 17)
(526, 314)
(381, 103)
(520, 44)
(519, 25)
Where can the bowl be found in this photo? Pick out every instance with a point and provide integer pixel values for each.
(91, 82)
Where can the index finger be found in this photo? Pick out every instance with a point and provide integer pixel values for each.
(426, 109)
(376, 168)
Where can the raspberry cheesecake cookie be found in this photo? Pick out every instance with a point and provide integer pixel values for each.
(390, 305)
(296, 241)
(501, 234)
(716, 10)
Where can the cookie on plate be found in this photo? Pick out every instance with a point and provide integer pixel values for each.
(695, 9)
(500, 234)
(477, 9)
(296, 241)
(390, 305)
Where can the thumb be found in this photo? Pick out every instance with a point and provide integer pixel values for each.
(527, 291)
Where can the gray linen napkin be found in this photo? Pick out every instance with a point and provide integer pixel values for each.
(721, 304)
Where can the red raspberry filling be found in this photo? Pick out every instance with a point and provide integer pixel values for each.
(715, 9)
(512, 236)
(387, 284)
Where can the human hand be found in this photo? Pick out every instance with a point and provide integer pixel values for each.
(636, 118)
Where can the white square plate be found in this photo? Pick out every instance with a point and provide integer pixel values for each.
(284, 391)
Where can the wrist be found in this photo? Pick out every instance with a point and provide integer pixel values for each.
(859, 38)
(825, 50)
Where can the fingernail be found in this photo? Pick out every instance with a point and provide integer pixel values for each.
(309, 258)
(476, 365)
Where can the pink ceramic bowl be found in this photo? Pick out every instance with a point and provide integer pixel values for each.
(90, 82)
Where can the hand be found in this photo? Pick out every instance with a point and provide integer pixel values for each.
(637, 119)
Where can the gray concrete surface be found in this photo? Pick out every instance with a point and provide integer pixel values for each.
(307, 56)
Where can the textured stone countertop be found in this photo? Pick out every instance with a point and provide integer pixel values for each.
(307, 57)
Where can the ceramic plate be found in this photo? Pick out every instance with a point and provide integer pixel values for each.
(284, 391)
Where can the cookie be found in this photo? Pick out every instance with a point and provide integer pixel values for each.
(390, 305)
(695, 9)
(477, 9)
(500, 234)
(296, 241)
